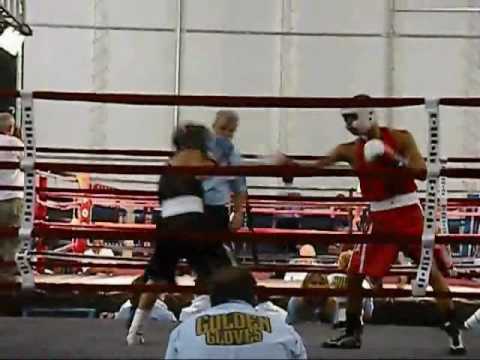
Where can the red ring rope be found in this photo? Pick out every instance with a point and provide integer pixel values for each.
(252, 267)
(265, 291)
(219, 101)
(256, 170)
(148, 232)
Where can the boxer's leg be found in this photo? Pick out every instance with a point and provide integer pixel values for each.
(446, 306)
(161, 270)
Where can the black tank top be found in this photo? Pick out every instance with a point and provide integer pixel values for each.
(173, 185)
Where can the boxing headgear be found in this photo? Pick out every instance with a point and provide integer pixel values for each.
(191, 136)
(361, 119)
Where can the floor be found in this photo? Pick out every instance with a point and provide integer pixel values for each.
(55, 338)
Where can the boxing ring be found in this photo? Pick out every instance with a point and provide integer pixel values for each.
(104, 339)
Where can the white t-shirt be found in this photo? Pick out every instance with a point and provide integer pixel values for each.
(235, 330)
(102, 252)
(299, 276)
(159, 312)
(11, 177)
(202, 302)
(271, 308)
(199, 303)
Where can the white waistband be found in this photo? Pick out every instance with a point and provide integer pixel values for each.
(395, 202)
(182, 205)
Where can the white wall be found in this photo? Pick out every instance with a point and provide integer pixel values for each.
(245, 64)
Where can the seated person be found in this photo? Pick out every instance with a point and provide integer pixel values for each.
(331, 309)
(232, 328)
(310, 308)
(160, 311)
(473, 322)
(98, 250)
(265, 305)
(202, 302)
(336, 306)
(199, 304)
(307, 256)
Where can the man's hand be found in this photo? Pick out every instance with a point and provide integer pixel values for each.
(236, 222)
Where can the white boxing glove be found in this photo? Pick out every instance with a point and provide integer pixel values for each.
(373, 149)
(277, 158)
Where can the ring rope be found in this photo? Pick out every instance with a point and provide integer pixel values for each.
(147, 232)
(28, 165)
(262, 290)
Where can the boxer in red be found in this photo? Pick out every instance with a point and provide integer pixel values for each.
(395, 209)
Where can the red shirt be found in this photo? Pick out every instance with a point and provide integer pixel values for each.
(381, 188)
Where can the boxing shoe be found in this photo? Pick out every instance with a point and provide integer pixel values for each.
(339, 325)
(346, 340)
(455, 337)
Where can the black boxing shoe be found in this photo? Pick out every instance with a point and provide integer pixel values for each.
(455, 337)
(340, 325)
(346, 340)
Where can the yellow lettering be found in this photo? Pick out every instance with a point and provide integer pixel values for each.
(232, 328)
(201, 325)
(238, 337)
(239, 320)
(228, 337)
(247, 335)
(214, 323)
(252, 322)
(264, 324)
(211, 338)
(226, 323)
(257, 336)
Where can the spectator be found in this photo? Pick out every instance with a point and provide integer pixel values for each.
(233, 328)
(336, 306)
(307, 256)
(331, 309)
(267, 306)
(98, 249)
(473, 323)
(160, 312)
(264, 305)
(11, 201)
(309, 308)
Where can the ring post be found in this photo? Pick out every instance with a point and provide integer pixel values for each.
(420, 284)
(28, 167)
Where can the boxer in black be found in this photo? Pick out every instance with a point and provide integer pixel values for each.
(181, 197)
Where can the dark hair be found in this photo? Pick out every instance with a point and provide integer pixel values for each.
(232, 284)
(191, 136)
